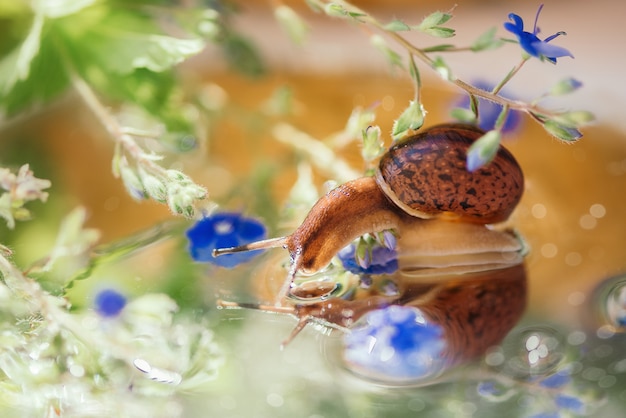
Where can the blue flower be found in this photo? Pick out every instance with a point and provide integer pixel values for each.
(489, 111)
(382, 260)
(396, 343)
(109, 303)
(570, 403)
(223, 230)
(532, 44)
(556, 380)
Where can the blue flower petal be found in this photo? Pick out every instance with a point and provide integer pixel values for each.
(109, 302)
(570, 403)
(517, 26)
(383, 260)
(551, 51)
(396, 343)
(223, 230)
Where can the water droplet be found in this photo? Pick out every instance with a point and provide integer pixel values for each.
(532, 351)
(610, 303)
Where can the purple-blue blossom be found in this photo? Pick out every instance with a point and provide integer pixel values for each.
(395, 344)
(223, 230)
(381, 260)
(530, 42)
(109, 303)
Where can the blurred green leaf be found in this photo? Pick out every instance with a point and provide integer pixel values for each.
(486, 41)
(94, 39)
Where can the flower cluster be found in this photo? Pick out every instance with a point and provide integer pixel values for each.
(169, 186)
(397, 343)
(224, 230)
(18, 190)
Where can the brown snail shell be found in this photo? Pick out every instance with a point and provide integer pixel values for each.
(426, 175)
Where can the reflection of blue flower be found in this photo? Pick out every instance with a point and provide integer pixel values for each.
(109, 302)
(395, 343)
(570, 403)
(223, 230)
(531, 43)
(383, 260)
(489, 111)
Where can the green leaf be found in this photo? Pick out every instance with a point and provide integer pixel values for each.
(59, 8)
(483, 150)
(463, 115)
(442, 68)
(562, 132)
(438, 48)
(392, 56)
(122, 42)
(565, 86)
(434, 19)
(486, 41)
(47, 78)
(397, 26)
(411, 119)
(291, 23)
(574, 118)
(16, 66)
(242, 55)
(439, 32)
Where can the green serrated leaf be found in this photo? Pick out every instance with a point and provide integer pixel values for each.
(122, 42)
(562, 132)
(397, 26)
(434, 19)
(411, 119)
(439, 32)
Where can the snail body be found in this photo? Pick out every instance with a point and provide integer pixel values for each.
(422, 177)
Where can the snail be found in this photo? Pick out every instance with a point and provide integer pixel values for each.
(422, 177)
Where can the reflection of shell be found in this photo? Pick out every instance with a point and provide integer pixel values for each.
(475, 311)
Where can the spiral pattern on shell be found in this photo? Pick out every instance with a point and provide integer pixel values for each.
(426, 175)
